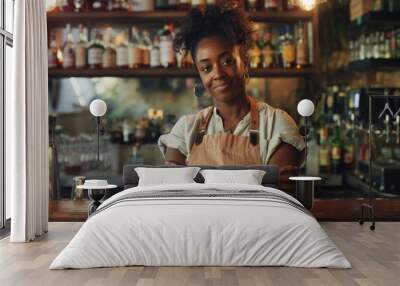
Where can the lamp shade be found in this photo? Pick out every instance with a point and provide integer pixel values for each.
(305, 107)
(98, 107)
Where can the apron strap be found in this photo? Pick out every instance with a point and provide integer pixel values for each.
(201, 130)
(254, 132)
(254, 123)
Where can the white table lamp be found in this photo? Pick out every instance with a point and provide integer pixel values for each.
(98, 108)
(305, 108)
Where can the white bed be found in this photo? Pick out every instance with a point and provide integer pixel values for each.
(236, 229)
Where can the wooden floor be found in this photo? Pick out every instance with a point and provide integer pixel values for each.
(375, 256)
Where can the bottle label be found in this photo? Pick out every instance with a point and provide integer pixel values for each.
(288, 53)
(324, 158)
(336, 153)
(268, 57)
(135, 56)
(167, 53)
(95, 56)
(146, 57)
(108, 59)
(301, 55)
(122, 56)
(80, 52)
(69, 59)
(155, 58)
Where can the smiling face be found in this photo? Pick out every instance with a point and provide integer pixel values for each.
(221, 68)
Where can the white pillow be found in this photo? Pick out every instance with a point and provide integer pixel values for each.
(249, 177)
(164, 176)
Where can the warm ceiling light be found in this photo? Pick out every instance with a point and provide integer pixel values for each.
(308, 5)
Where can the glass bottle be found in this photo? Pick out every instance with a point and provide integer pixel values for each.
(81, 48)
(135, 49)
(361, 53)
(255, 53)
(53, 51)
(95, 52)
(122, 52)
(324, 151)
(184, 5)
(268, 51)
(162, 5)
(375, 45)
(288, 50)
(109, 55)
(336, 149)
(167, 48)
(199, 4)
(301, 49)
(271, 5)
(155, 55)
(173, 4)
(99, 5)
(382, 45)
(368, 47)
(146, 49)
(68, 50)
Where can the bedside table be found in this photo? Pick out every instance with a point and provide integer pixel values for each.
(305, 189)
(96, 194)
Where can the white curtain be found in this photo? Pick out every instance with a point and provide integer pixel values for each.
(27, 124)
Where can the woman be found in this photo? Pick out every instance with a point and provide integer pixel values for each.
(237, 130)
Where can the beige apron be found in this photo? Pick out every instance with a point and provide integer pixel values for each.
(226, 148)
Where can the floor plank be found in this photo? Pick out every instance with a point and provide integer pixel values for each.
(375, 256)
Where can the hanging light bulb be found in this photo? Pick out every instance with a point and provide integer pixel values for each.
(309, 5)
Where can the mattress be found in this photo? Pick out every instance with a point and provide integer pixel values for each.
(201, 225)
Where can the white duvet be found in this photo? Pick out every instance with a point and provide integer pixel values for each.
(200, 231)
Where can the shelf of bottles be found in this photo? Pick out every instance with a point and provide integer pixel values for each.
(131, 48)
(375, 37)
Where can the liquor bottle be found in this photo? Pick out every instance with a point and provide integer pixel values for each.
(141, 5)
(336, 148)
(271, 5)
(68, 50)
(199, 4)
(255, 53)
(361, 54)
(95, 52)
(288, 50)
(377, 5)
(375, 45)
(135, 52)
(81, 49)
(162, 5)
(66, 5)
(53, 52)
(292, 5)
(324, 151)
(184, 5)
(187, 61)
(118, 5)
(122, 52)
(382, 45)
(173, 4)
(387, 54)
(348, 156)
(155, 55)
(99, 5)
(146, 48)
(167, 48)
(301, 48)
(109, 55)
(268, 51)
(252, 5)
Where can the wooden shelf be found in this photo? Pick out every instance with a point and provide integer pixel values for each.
(163, 72)
(159, 17)
(375, 64)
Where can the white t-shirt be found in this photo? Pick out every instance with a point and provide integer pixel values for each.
(276, 126)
